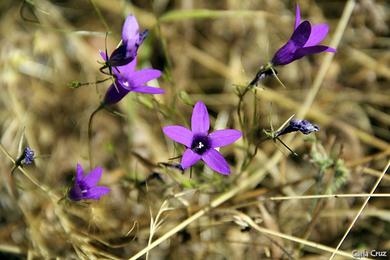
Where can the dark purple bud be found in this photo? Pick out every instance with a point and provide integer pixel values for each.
(120, 56)
(28, 156)
(302, 126)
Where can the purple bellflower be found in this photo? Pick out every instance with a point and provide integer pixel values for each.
(200, 144)
(131, 40)
(295, 125)
(85, 188)
(128, 79)
(304, 41)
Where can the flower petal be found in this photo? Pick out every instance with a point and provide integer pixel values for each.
(79, 173)
(179, 134)
(148, 90)
(141, 77)
(224, 137)
(297, 17)
(93, 177)
(122, 55)
(115, 93)
(312, 50)
(330, 49)
(301, 34)
(318, 33)
(200, 122)
(130, 30)
(96, 192)
(75, 193)
(216, 161)
(285, 54)
(189, 158)
(126, 70)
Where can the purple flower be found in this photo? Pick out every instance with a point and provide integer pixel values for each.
(131, 40)
(295, 125)
(85, 188)
(128, 79)
(200, 144)
(28, 156)
(304, 41)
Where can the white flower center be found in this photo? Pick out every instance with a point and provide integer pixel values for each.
(200, 145)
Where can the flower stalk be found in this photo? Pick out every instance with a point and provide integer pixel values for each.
(90, 121)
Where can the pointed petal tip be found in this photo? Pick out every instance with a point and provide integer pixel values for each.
(224, 137)
(79, 172)
(330, 49)
(148, 90)
(97, 192)
(179, 134)
(297, 16)
(216, 161)
(130, 30)
(189, 158)
(200, 103)
(93, 176)
(317, 35)
(200, 121)
(141, 77)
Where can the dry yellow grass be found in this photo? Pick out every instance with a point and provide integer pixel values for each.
(273, 205)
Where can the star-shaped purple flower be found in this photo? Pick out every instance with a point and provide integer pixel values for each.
(200, 144)
(304, 41)
(85, 188)
(303, 126)
(128, 79)
(131, 40)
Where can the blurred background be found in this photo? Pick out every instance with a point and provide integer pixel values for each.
(209, 51)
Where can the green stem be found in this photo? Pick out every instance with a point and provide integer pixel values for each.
(241, 98)
(94, 83)
(263, 72)
(90, 134)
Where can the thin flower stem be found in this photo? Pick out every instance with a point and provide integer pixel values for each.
(263, 72)
(101, 17)
(94, 83)
(90, 134)
(371, 194)
(240, 100)
(246, 90)
(250, 155)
